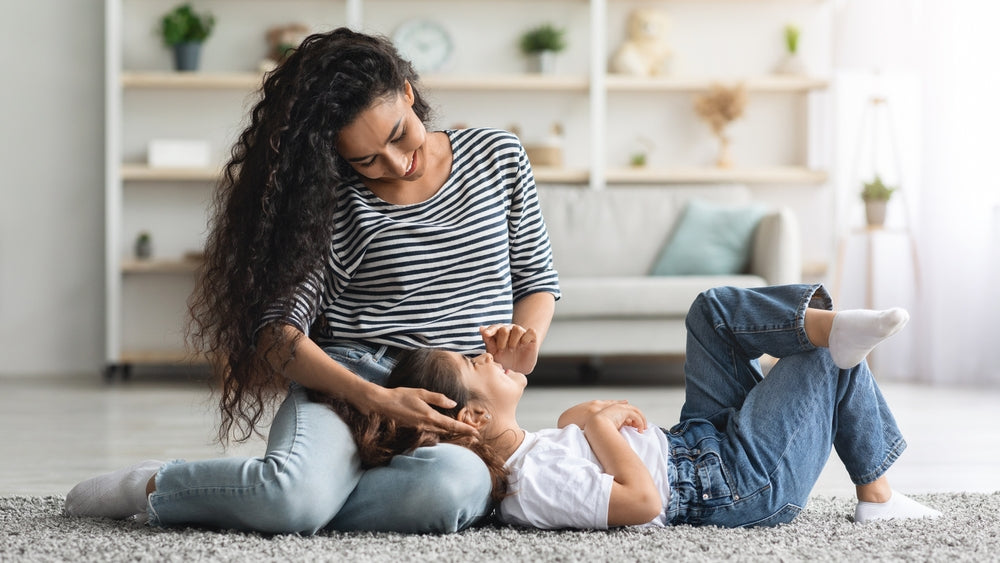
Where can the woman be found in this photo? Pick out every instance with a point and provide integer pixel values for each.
(748, 448)
(344, 232)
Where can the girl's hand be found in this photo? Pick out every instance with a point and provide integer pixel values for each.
(623, 414)
(412, 408)
(512, 346)
(579, 414)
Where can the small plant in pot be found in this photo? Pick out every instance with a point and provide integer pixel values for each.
(541, 44)
(184, 31)
(876, 196)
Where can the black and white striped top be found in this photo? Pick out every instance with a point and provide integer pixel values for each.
(430, 274)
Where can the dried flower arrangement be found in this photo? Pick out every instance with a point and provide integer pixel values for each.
(720, 106)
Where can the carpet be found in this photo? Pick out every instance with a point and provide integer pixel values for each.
(33, 529)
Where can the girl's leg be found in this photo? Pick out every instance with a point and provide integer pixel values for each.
(781, 428)
(729, 329)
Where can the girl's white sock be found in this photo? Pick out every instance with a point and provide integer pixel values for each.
(856, 331)
(119, 494)
(898, 507)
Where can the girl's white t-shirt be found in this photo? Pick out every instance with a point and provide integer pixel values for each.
(557, 482)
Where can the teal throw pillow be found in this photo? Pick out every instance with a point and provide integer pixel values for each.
(710, 240)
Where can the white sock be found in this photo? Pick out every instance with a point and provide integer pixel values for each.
(856, 331)
(898, 507)
(119, 494)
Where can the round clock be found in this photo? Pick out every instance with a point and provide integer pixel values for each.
(424, 43)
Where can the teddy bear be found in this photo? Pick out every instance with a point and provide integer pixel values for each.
(644, 51)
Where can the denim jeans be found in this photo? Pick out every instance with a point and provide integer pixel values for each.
(310, 477)
(748, 449)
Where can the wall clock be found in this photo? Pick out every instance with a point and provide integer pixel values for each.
(424, 43)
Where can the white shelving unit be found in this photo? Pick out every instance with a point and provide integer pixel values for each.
(588, 86)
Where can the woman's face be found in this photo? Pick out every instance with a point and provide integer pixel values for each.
(501, 388)
(387, 141)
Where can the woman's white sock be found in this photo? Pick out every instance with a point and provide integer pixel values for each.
(898, 507)
(119, 494)
(856, 331)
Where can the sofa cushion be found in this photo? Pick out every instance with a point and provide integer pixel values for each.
(640, 296)
(618, 231)
(711, 239)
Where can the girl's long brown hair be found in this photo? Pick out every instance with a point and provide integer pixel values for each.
(272, 217)
(379, 438)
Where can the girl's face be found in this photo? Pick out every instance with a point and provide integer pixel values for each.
(386, 142)
(501, 388)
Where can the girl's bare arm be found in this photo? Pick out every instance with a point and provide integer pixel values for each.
(635, 499)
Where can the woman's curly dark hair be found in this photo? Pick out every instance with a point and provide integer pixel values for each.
(380, 438)
(272, 215)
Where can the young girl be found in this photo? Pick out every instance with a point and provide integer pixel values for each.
(345, 232)
(748, 448)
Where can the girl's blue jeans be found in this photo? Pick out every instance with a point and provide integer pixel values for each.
(748, 449)
(310, 477)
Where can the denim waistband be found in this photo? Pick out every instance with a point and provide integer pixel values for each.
(378, 351)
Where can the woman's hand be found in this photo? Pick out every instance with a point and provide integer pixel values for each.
(513, 346)
(412, 408)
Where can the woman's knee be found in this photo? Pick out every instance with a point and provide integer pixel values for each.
(455, 487)
(299, 499)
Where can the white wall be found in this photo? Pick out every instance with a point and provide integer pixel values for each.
(52, 210)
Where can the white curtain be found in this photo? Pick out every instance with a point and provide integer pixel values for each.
(937, 63)
(957, 225)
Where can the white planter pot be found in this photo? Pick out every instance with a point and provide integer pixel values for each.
(543, 62)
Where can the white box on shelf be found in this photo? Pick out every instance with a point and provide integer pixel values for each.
(178, 153)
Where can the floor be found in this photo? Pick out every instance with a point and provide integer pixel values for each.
(64, 429)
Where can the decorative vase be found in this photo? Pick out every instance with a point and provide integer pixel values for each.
(875, 212)
(542, 62)
(725, 159)
(186, 56)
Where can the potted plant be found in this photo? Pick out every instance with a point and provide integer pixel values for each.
(144, 246)
(541, 44)
(792, 62)
(876, 195)
(184, 31)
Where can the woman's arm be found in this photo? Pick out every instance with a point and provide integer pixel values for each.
(312, 368)
(635, 498)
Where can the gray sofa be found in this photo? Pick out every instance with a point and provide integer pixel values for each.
(605, 243)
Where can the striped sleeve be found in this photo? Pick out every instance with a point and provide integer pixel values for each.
(300, 308)
(530, 252)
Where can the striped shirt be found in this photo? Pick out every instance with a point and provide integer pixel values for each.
(430, 274)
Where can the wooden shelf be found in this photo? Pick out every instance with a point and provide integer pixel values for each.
(491, 82)
(775, 83)
(141, 172)
(252, 80)
(508, 82)
(696, 175)
(160, 266)
(192, 80)
(550, 175)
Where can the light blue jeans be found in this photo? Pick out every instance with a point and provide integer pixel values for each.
(748, 449)
(310, 477)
